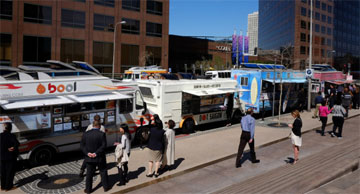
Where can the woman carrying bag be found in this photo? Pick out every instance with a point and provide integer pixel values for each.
(122, 153)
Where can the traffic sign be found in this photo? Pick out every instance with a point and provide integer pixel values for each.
(309, 73)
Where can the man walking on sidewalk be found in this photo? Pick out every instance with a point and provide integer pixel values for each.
(318, 101)
(247, 136)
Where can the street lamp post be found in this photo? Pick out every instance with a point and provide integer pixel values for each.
(310, 55)
(113, 65)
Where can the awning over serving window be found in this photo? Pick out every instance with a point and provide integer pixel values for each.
(286, 80)
(210, 92)
(340, 82)
(98, 97)
(37, 102)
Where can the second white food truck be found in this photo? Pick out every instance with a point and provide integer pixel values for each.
(190, 102)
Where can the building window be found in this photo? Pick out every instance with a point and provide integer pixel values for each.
(72, 50)
(329, 20)
(109, 3)
(83, 1)
(303, 37)
(5, 49)
(153, 29)
(131, 26)
(317, 16)
(102, 53)
(329, 8)
(154, 7)
(302, 64)
(302, 50)
(36, 49)
(322, 52)
(154, 56)
(317, 4)
(304, 1)
(303, 24)
(103, 22)
(71, 18)
(6, 9)
(323, 6)
(303, 11)
(322, 41)
(323, 29)
(316, 53)
(37, 14)
(129, 55)
(323, 18)
(328, 42)
(329, 31)
(131, 5)
(317, 28)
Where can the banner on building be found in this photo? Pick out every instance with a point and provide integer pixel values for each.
(240, 44)
(234, 49)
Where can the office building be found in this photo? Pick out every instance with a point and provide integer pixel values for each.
(33, 31)
(253, 24)
(347, 34)
(285, 24)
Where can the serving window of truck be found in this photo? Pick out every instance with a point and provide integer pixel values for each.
(193, 104)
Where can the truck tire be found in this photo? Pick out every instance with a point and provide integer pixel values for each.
(188, 126)
(42, 156)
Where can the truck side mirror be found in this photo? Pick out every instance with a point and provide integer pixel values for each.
(145, 108)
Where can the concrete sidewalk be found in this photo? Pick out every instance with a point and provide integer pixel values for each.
(191, 152)
(202, 149)
(321, 160)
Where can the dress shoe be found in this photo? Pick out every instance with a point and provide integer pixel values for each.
(86, 191)
(238, 166)
(150, 175)
(156, 175)
(81, 174)
(107, 189)
(255, 161)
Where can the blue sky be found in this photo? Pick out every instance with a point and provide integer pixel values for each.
(210, 17)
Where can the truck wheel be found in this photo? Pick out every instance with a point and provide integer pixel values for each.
(188, 126)
(236, 117)
(41, 156)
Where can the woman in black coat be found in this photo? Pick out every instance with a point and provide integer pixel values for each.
(9, 153)
(155, 146)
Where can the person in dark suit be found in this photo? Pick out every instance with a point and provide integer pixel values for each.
(9, 152)
(93, 145)
(229, 103)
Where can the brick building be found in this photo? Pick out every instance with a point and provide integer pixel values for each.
(33, 31)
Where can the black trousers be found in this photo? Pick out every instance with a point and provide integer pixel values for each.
(90, 171)
(7, 174)
(244, 139)
(338, 123)
(323, 121)
(228, 115)
(347, 110)
(123, 173)
(83, 166)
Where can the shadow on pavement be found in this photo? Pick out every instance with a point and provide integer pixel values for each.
(32, 178)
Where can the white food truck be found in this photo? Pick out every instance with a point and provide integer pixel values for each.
(189, 102)
(50, 107)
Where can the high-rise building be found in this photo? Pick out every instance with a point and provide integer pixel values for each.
(33, 31)
(284, 24)
(346, 33)
(253, 21)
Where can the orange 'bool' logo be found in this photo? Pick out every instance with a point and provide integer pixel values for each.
(40, 89)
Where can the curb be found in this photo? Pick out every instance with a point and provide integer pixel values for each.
(142, 185)
(349, 169)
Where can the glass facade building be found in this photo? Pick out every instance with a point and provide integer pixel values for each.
(347, 33)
